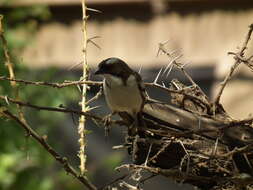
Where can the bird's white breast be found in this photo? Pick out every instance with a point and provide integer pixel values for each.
(122, 97)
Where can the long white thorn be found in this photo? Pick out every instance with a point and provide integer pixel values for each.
(169, 71)
(168, 66)
(140, 69)
(155, 81)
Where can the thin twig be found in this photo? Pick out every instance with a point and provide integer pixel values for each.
(96, 83)
(41, 140)
(63, 110)
(160, 151)
(6, 52)
(54, 84)
(10, 67)
(99, 93)
(234, 66)
(245, 149)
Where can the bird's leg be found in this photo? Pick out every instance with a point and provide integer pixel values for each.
(141, 125)
(106, 121)
(137, 125)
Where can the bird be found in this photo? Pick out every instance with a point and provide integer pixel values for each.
(123, 88)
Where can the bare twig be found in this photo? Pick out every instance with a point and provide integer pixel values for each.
(99, 93)
(96, 83)
(93, 10)
(63, 110)
(234, 66)
(10, 67)
(6, 52)
(147, 158)
(41, 140)
(245, 149)
(247, 61)
(153, 158)
(54, 85)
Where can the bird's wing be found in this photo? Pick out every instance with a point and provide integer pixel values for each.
(141, 86)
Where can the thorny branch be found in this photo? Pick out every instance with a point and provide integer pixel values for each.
(42, 140)
(234, 66)
(181, 67)
(82, 120)
(97, 83)
(60, 109)
(6, 52)
(10, 66)
(54, 85)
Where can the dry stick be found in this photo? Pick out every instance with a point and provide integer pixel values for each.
(42, 140)
(234, 66)
(63, 110)
(9, 65)
(245, 149)
(247, 61)
(94, 98)
(54, 85)
(82, 120)
(95, 83)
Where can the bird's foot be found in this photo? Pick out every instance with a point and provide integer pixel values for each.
(107, 121)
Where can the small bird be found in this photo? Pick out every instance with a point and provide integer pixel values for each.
(123, 88)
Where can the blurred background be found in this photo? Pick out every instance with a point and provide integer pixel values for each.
(45, 40)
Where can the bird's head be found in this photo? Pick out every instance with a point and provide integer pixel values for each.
(113, 66)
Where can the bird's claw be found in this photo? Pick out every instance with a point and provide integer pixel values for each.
(107, 121)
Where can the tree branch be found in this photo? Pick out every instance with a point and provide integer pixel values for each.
(63, 110)
(54, 85)
(234, 66)
(42, 140)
